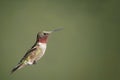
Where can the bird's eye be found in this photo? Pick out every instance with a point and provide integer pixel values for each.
(44, 33)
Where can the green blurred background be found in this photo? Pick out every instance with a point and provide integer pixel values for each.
(87, 49)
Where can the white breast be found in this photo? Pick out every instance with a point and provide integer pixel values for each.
(43, 46)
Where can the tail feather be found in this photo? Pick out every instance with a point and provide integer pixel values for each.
(19, 66)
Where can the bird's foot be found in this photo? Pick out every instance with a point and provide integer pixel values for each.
(35, 62)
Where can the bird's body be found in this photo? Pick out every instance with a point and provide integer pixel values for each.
(34, 54)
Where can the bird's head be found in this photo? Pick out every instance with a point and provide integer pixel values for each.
(42, 37)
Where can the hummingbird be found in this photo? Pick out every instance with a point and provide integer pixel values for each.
(36, 51)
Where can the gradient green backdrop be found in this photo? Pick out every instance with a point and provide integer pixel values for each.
(87, 49)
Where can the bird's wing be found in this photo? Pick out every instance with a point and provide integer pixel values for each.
(28, 53)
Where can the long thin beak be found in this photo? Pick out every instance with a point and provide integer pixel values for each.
(58, 29)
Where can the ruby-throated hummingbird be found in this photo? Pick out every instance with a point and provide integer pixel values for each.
(36, 51)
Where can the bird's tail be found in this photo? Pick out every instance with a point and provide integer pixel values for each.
(19, 66)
